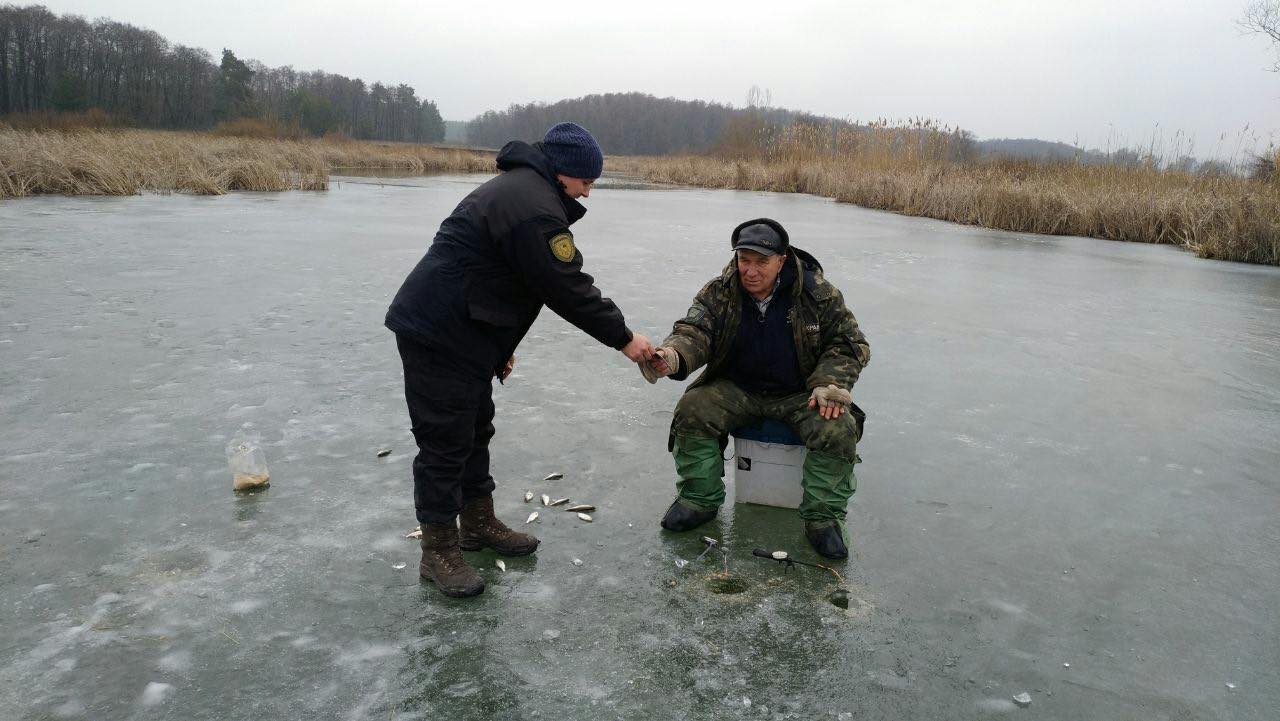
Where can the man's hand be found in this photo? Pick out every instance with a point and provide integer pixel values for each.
(505, 371)
(639, 349)
(831, 402)
(664, 362)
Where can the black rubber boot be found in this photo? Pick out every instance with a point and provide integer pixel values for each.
(827, 541)
(683, 517)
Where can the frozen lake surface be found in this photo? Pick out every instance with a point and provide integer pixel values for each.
(1070, 486)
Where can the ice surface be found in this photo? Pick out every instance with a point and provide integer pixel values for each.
(155, 693)
(1036, 405)
(176, 662)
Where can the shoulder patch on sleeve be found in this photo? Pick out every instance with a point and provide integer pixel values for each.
(695, 314)
(562, 246)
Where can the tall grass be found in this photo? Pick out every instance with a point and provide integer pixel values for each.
(54, 120)
(925, 170)
(126, 162)
(259, 128)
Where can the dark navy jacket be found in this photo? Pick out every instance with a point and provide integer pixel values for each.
(492, 266)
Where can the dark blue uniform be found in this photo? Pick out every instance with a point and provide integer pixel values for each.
(503, 253)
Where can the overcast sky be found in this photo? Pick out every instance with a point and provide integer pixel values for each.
(1089, 71)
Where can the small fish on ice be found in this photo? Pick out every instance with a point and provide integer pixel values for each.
(528, 496)
(546, 500)
(581, 508)
(532, 517)
(415, 533)
(558, 501)
(584, 517)
(501, 566)
(554, 477)
(384, 452)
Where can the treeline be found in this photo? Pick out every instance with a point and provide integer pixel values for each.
(641, 124)
(66, 64)
(633, 123)
(1045, 151)
(321, 102)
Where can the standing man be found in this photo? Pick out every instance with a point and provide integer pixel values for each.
(504, 253)
(778, 342)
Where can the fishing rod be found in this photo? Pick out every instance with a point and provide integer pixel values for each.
(787, 561)
(711, 543)
(714, 544)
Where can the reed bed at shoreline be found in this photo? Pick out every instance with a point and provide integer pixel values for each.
(909, 170)
(129, 161)
(1224, 217)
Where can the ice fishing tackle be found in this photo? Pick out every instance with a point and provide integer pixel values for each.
(787, 561)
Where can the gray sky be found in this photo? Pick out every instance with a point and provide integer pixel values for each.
(1090, 71)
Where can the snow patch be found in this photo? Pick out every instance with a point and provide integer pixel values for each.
(246, 606)
(176, 662)
(155, 693)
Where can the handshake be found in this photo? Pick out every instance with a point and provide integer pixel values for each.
(654, 362)
(665, 361)
(830, 401)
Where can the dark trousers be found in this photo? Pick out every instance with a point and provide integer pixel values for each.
(452, 417)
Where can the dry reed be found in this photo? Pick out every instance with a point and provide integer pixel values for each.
(52, 120)
(127, 162)
(914, 170)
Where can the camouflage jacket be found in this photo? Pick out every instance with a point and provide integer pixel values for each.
(830, 347)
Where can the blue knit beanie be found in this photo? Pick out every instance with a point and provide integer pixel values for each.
(573, 151)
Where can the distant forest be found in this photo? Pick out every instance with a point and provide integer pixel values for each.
(52, 63)
(641, 124)
(633, 123)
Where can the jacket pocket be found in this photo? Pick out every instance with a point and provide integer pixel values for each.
(860, 419)
(485, 306)
(485, 313)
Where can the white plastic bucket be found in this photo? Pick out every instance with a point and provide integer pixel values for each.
(767, 474)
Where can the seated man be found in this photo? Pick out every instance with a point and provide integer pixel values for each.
(778, 342)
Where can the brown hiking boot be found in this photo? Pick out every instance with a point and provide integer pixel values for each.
(442, 562)
(482, 529)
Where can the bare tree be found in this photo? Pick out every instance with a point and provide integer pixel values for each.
(1263, 17)
(758, 97)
